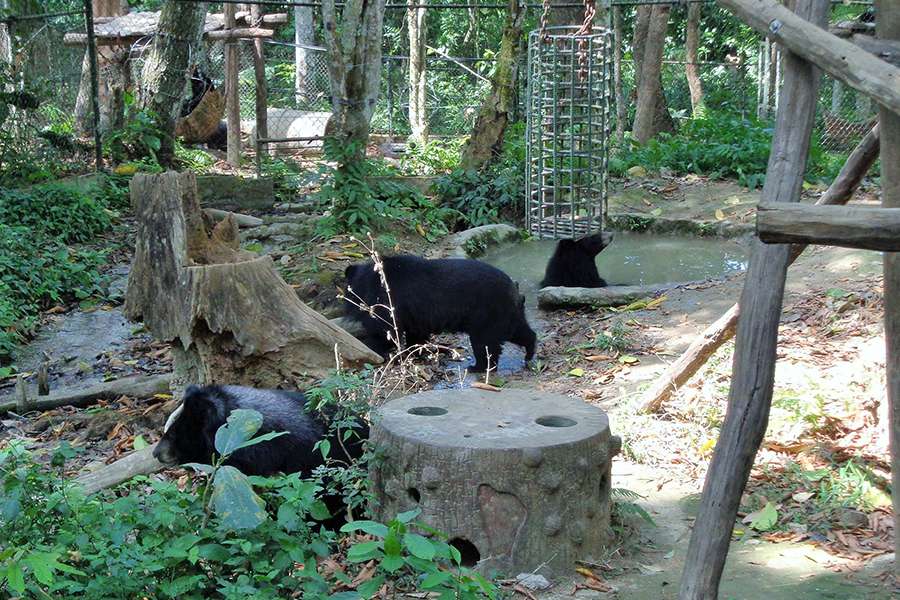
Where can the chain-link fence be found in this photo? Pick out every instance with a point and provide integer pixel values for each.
(45, 95)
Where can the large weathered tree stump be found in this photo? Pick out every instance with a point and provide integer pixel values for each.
(230, 316)
(519, 480)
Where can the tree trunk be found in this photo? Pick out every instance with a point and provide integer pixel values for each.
(887, 25)
(354, 67)
(232, 93)
(418, 119)
(259, 71)
(691, 67)
(167, 67)
(304, 35)
(753, 368)
(652, 114)
(617, 74)
(490, 124)
(230, 316)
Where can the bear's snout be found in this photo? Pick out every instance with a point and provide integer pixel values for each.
(165, 453)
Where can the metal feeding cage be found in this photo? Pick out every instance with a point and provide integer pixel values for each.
(567, 132)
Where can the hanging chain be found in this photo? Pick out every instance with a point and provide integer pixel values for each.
(584, 30)
(544, 16)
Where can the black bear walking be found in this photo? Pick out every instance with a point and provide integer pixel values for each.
(573, 262)
(451, 295)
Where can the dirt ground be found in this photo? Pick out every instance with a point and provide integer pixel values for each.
(829, 543)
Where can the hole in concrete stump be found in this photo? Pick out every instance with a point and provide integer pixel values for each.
(427, 411)
(414, 494)
(469, 555)
(467, 435)
(555, 421)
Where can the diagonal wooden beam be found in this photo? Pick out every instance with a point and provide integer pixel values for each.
(837, 57)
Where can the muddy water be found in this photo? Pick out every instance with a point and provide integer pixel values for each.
(631, 259)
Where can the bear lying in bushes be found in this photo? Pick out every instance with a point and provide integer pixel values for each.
(451, 295)
(190, 434)
(573, 263)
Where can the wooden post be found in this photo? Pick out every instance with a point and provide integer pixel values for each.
(839, 192)
(887, 26)
(232, 96)
(753, 370)
(259, 70)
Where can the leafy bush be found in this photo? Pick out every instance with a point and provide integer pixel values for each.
(138, 138)
(55, 209)
(719, 145)
(223, 541)
(433, 157)
(362, 198)
(484, 197)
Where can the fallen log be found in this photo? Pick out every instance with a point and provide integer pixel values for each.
(614, 295)
(139, 462)
(241, 220)
(705, 345)
(138, 386)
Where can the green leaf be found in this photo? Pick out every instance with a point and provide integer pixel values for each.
(764, 519)
(406, 517)
(234, 500)
(577, 372)
(419, 546)
(370, 588)
(370, 527)
(392, 545)
(364, 551)
(319, 511)
(140, 443)
(241, 425)
(435, 579)
(262, 438)
(324, 448)
(15, 578)
(392, 563)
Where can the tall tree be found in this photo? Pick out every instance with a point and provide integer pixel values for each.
(494, 115)
(304, 36)
(652, 114)
(691, 66)
(415, 25)
(167, 67)
(354, 67)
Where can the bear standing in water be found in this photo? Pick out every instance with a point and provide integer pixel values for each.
(573, 263)
(450, 295)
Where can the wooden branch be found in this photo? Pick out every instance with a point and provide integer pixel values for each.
(139, 386)
(241, 220)
(139, 462)
(240, 33)
(471, 72)
(846, 226)
(838, 57)
(886, 50)
(705, 345)
(756, 341)
(614, 295)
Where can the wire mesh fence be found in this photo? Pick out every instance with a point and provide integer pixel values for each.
(46, 54)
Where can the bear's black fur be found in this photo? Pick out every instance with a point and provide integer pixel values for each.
(573, 262)
(451, 295)
(190, 435)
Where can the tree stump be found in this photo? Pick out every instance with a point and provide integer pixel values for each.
(519, 480)
(230, 316)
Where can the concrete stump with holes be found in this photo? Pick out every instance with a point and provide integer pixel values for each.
(519, 480)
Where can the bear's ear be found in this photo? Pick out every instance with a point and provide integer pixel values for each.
(198, 400)
(566, 244)
(349, 271)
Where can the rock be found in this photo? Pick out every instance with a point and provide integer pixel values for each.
(637, 172)
(850, 518)
(472, 243)
(533, 581)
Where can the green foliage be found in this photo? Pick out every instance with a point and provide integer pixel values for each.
(362, 198)
(37, 267)
(719, 145)
(486, 197)
(55, 209)
(427, 564)
(139, 138)
(616, 339)
(625, 507)
(436, 156)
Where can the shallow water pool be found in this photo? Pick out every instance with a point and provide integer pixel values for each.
(631, 259)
